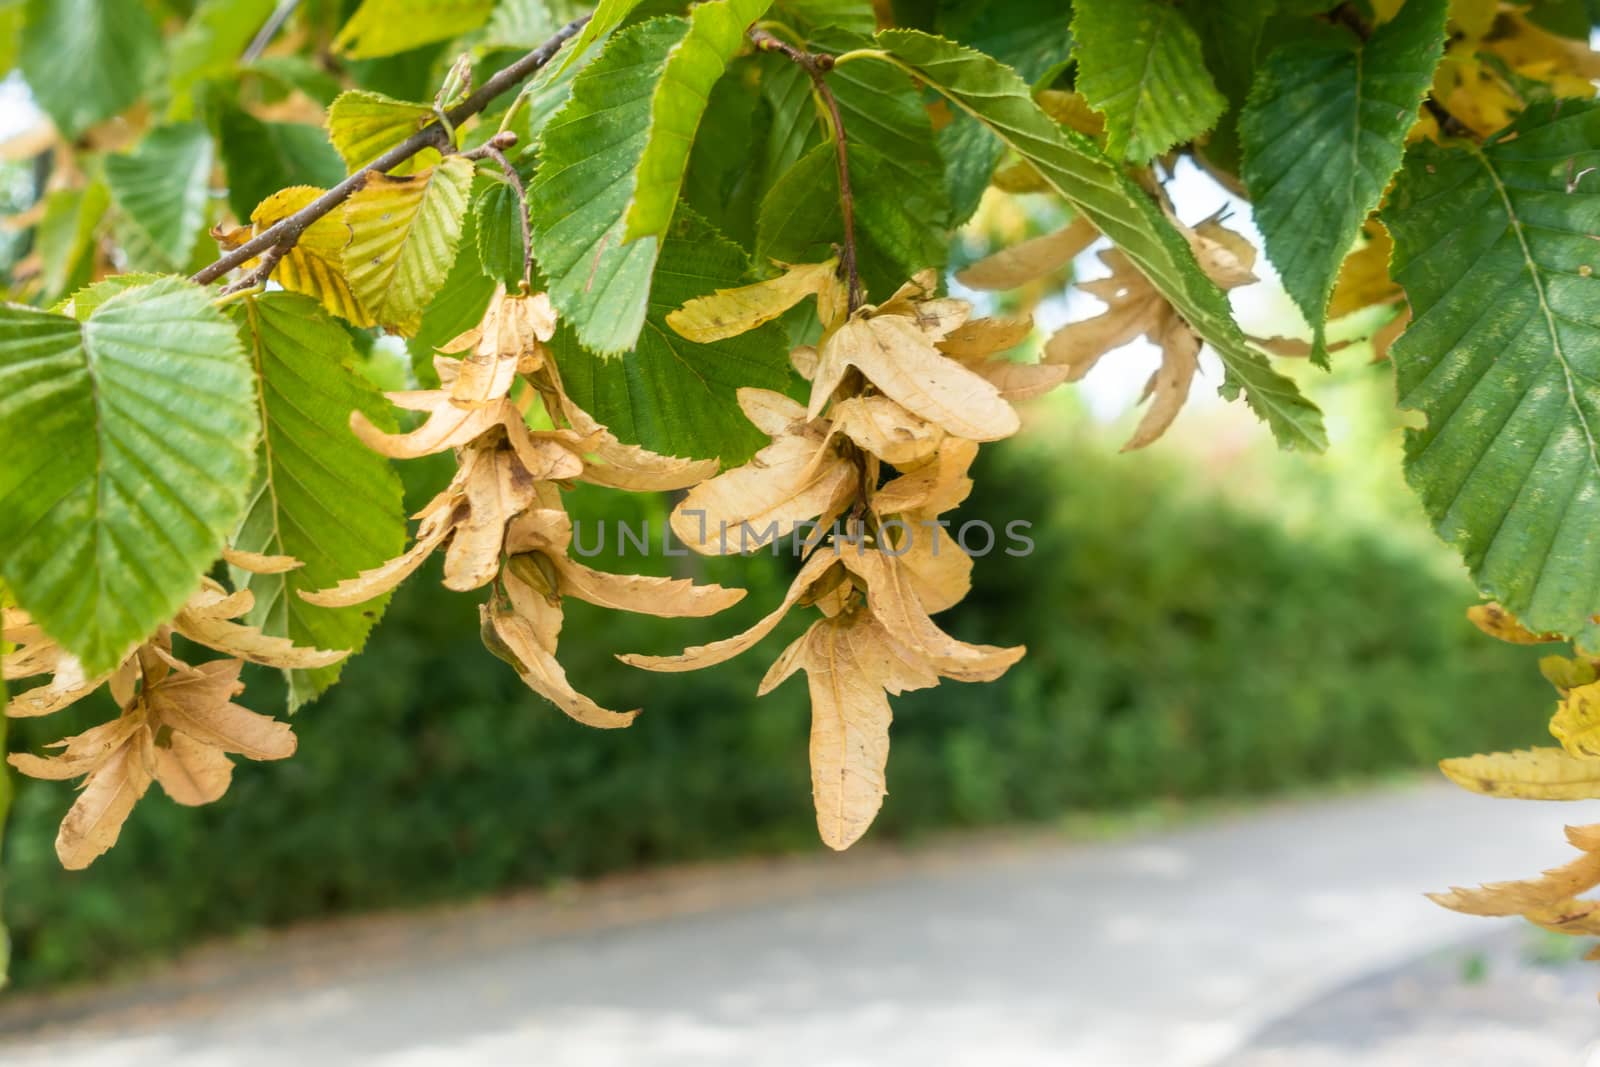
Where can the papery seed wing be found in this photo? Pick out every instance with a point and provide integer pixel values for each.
(666, 597)
(541, 673)
(903, 363)
(1019, 264)
(190, 772)
(698, 656)
(789, 482)
(94, 821)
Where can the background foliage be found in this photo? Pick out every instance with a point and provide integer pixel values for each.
(1275, 625)
(1202, 642)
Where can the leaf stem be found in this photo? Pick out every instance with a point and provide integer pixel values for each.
(816, 65)
(281, 236)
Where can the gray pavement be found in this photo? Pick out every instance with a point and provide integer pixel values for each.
(1217, 942)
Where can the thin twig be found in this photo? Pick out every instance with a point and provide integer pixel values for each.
(261, 273)
(284, 233)
(269, 30)
(816, 65)
(494, 149)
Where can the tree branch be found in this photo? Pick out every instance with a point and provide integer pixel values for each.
(283, 234)
(817, 65)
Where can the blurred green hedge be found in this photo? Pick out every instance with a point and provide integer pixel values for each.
(1179, 647)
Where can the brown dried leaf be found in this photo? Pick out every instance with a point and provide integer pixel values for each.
(205, 620)
(791, 481)
(902, 362)
(81, 753)
(447, 425)
(540, 672)
(939, 572)
(849, 731)
(258, 563)
(933, 487)
(772, 413)
(509, 340)
(698, 656)
(200, 705)
(894, 603)
(881, 426)
(496, 488)
(1022, 263)
(94, 821)
(1552, 887)
(667, 597)
(978, 339)
(437, 524)
(631, 467)
(191, 772)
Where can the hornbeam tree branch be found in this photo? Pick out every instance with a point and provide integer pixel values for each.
(282, 235)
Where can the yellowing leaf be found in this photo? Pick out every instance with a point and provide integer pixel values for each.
(730, 312)
(384, 27)
(1515, 898)
(1499, 623)
(315, 265)
(403, 237)
(363, 125)
(1576, 723)
(1531, 774)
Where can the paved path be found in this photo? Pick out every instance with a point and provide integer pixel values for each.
(1161, 950)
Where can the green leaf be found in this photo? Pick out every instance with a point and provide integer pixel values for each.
(1097, 188)
(809, 16)
(403, 238)
(1323, 133)
(882, 110)
(211, 42)
(364, 125)
(129, 440)
(263, 157)
(801, 220)
(495, 210)
(607, 16)
(319, 494)
(579, 195)
(1032, 37)
(1140, 65)
(670, 394)
(87, 60)
(457, 306)
(716, 34)
(163, 185)
(519, 24)
(1493, 249)
(384, 27)
(65, 237)
(1231, 33)
(723, 183)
